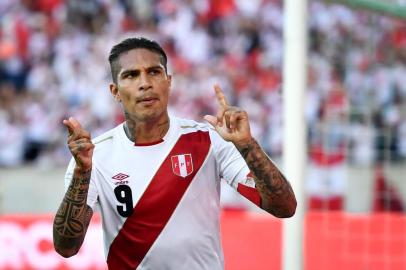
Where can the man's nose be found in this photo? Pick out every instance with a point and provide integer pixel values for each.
(145, 82)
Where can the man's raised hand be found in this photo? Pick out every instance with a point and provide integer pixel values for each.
(79, 143)
(230, 122)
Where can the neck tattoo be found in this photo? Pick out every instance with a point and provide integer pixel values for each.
(129, 129)
(129, 132)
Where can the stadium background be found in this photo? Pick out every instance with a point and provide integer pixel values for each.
(53, 64)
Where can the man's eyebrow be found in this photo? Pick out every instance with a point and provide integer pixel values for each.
(125, 71)
(156, 67)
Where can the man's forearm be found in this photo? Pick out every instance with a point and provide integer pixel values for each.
(275, 191)
(73, 216)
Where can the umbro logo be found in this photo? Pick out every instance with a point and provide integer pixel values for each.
(120, 176)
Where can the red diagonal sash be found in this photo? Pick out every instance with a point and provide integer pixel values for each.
(157, 204)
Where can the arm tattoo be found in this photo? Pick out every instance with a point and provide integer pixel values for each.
(73, 216)
(276, 193)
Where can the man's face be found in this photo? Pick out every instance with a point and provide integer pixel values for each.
(142, 85)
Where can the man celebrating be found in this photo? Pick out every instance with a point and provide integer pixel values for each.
(156, 178)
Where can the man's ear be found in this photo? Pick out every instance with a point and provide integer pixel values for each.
(114, 92)
(170, 80)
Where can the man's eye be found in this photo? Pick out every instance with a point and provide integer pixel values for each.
(129, 75)
(153, 72)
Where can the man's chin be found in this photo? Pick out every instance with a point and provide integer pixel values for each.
(150, 116)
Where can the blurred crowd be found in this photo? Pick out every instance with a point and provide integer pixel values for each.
(53, 64)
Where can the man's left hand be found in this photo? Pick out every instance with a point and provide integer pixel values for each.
(230, 122)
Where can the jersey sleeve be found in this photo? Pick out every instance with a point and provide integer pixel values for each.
(233, 168)
(92, 193)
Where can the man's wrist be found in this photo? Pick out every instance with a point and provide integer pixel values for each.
(83, 169)
(244, 143)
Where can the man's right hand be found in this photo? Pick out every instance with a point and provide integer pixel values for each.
(80, 144)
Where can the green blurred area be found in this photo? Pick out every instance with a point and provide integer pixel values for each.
(395, 8)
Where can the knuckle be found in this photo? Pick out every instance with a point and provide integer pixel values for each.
(72, 138)
(83, 140)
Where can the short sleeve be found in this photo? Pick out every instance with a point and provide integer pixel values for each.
(233, 168)
(92, 193)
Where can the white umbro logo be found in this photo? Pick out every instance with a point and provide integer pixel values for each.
(120, 176)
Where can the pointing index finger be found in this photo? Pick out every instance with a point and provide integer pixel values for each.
(221, 98)
(72, 125)
(68, 125)
(75, 123)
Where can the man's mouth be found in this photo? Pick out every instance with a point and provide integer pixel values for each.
(148, 100)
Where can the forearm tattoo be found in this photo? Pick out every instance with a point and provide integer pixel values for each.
(276, 192)
(73, 216)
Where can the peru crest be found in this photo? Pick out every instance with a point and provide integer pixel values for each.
(182, 165)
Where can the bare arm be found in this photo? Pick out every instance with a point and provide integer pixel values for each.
(277, 196)
(73, 216)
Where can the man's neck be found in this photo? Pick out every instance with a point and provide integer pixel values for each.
(146, 131)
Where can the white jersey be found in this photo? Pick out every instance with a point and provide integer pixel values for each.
(160, 203)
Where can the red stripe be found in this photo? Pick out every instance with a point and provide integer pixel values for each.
(156, 205)
(250, 193)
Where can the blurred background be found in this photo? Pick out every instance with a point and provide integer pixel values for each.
(53, 64)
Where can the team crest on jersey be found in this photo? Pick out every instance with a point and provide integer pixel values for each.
(182, 165)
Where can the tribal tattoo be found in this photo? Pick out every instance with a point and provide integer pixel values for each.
(276, 192)
(73, 216)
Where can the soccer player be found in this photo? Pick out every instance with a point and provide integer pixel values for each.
(156, 178)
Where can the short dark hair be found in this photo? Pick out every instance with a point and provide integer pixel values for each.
(130, 44)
